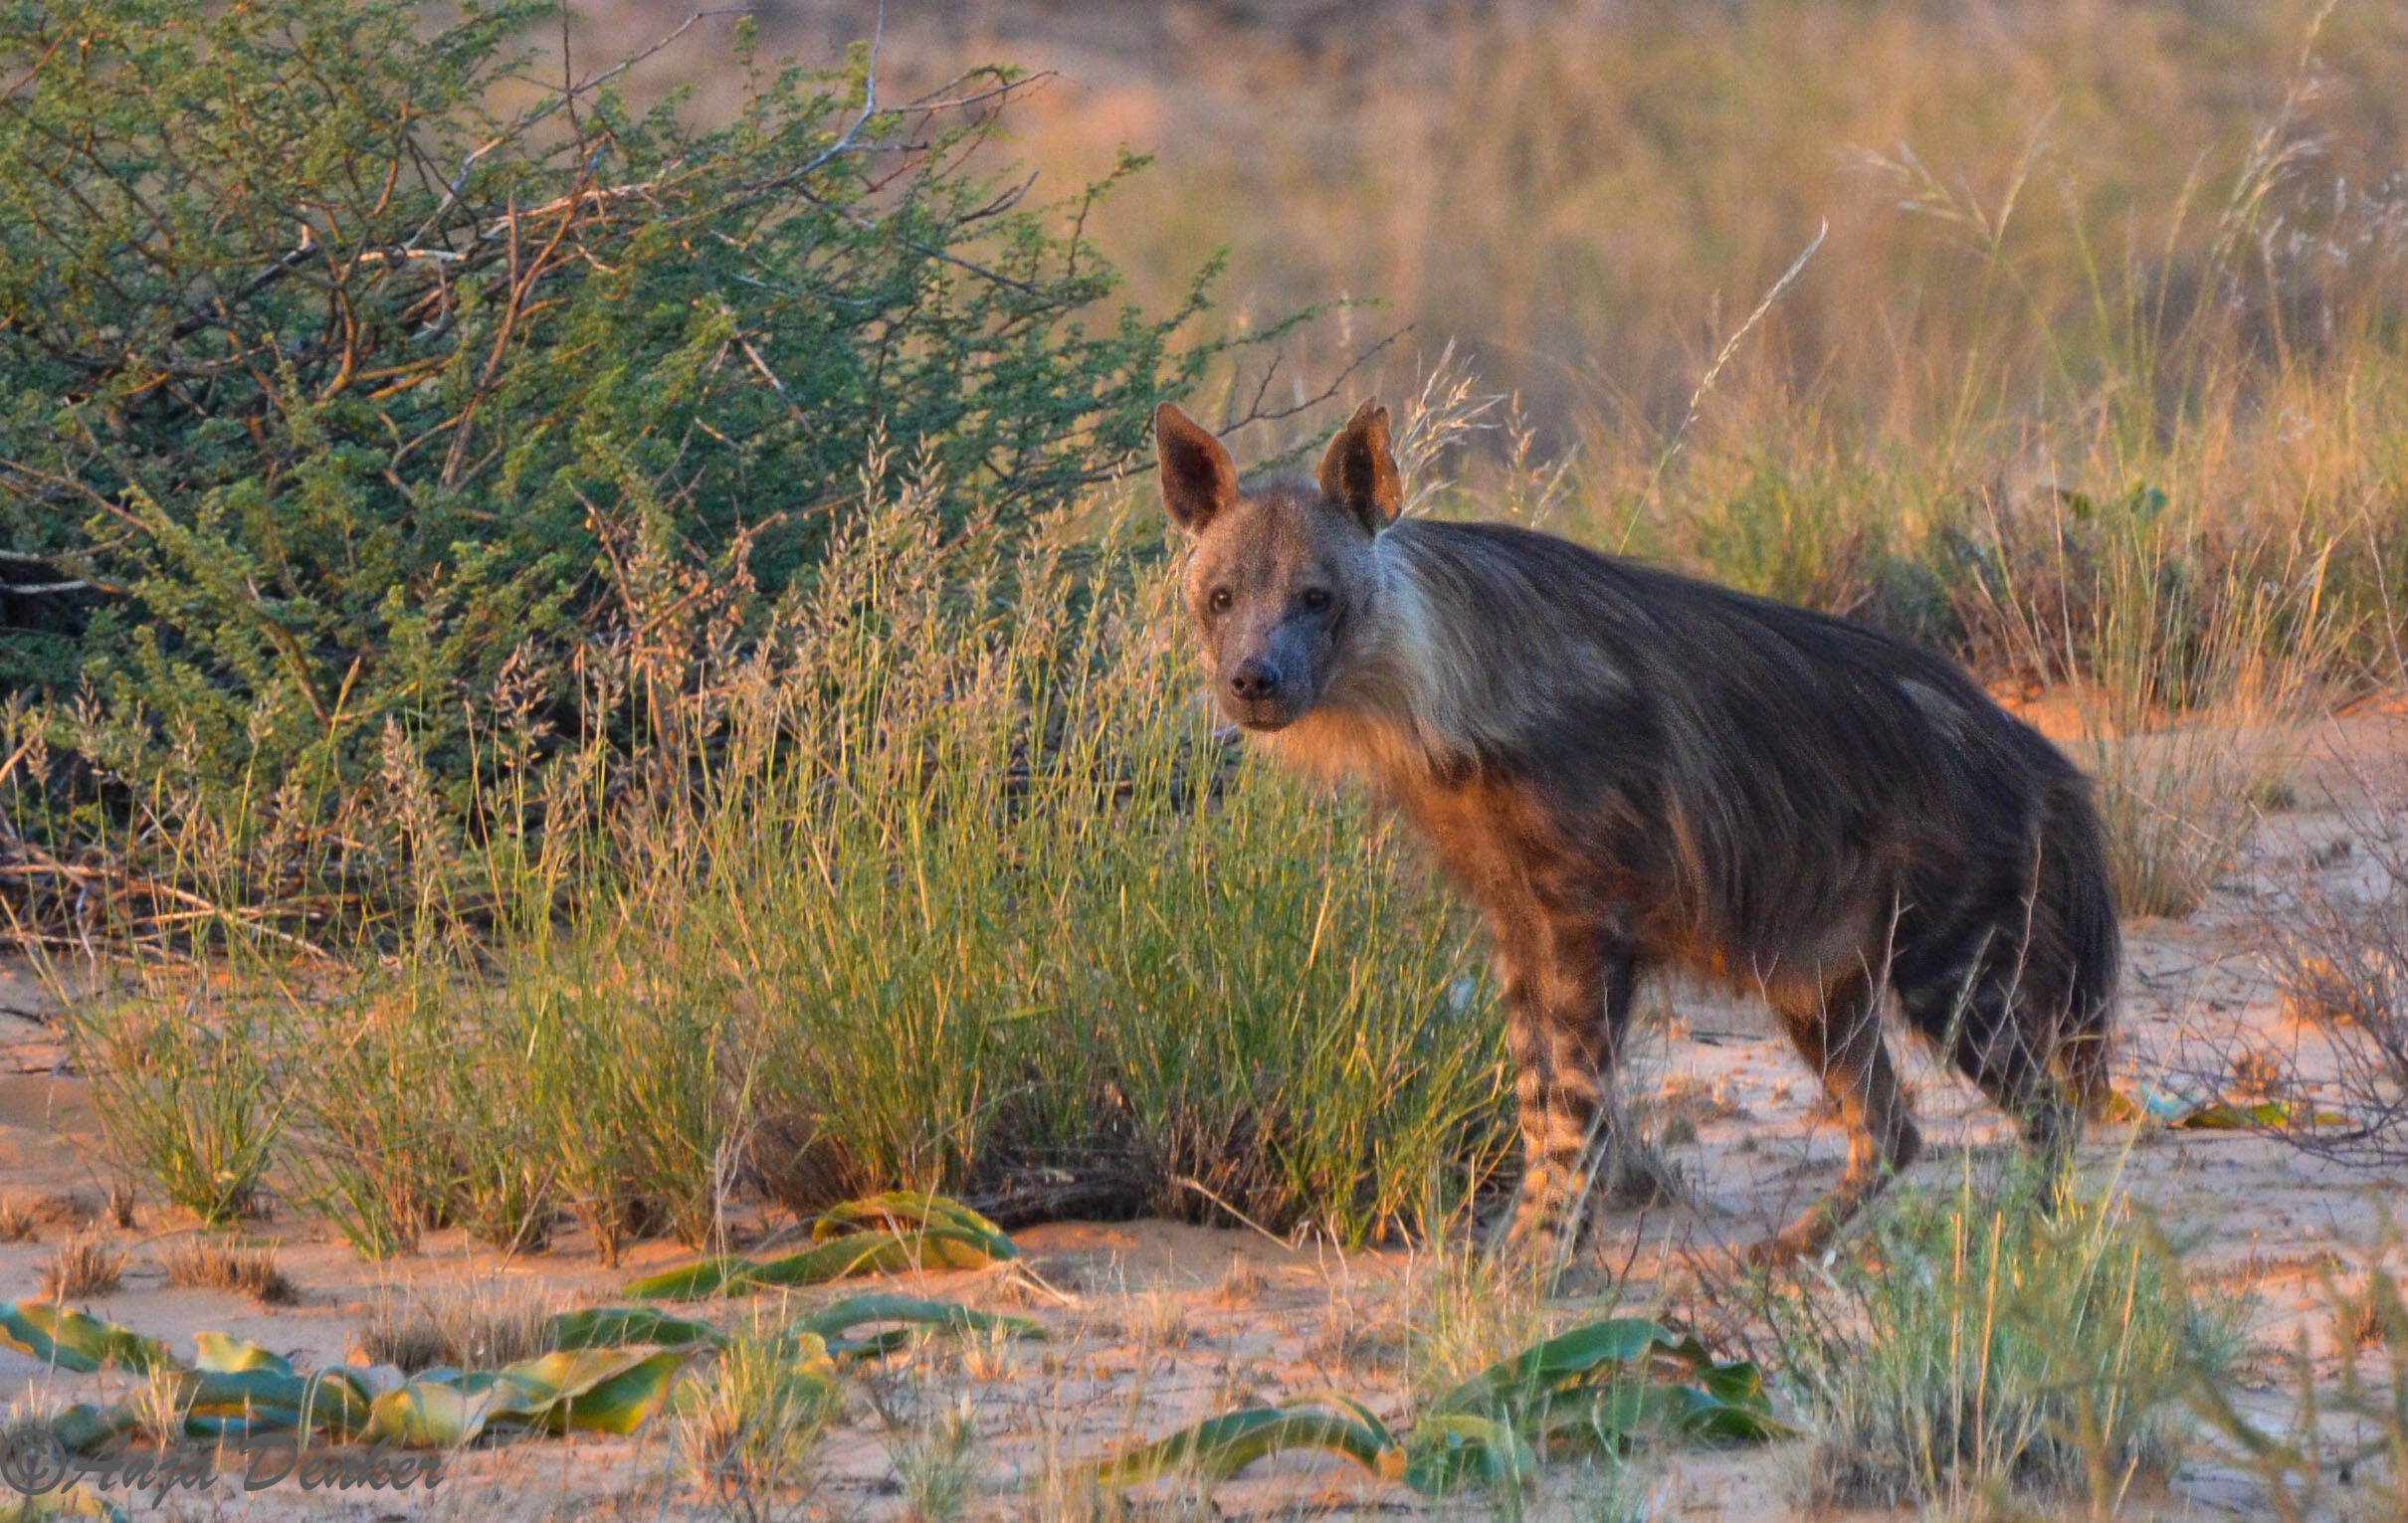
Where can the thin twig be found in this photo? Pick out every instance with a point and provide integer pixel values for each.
(1199, 1187)
(1256, 413)
(569, 94)
(769, 375)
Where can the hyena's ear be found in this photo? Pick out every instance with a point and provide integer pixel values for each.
(1198, 477)
(1359, 474)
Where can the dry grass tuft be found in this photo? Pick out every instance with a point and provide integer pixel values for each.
(469, 1326)
(1156, 1319)
(1358, 1338)
(2321, 990)
(745, 1424)
(202, 1263)
(1969, 1344)
(1466, 1309)
(17, 1221)
(2180, 785)
(1689, 1095)
(2361, 1323)
(935, 1471)
(1242, 1285)
(80, 1268)
(162, 1403)
(2260, 1074)
(2176, 819)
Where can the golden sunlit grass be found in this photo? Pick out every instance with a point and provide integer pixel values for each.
(745, 1426)
(466, 1324)
(210, 1265)
(2103, 343)
(1592, 194)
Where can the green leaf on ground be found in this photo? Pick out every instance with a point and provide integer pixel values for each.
(910, 1232)
(1600, 1385)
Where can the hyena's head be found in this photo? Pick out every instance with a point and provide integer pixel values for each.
(1282, 577)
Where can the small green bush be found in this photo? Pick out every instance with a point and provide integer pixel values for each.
(334, 393)
(193, 1104)
(1976, 1347)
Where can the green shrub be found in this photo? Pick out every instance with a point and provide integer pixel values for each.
(193, 1105)
(1974, 1348)
(345, 393)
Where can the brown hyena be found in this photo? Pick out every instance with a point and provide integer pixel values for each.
(1629, 770)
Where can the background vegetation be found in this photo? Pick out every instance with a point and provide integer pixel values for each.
(942, 879)
(590, 584)
(527, 561)
(335, 393)
(2101, 340)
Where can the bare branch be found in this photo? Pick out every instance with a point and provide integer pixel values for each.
(34, 862)
(1256, 413)
(762, 366)
(53, 482)
(569, 94)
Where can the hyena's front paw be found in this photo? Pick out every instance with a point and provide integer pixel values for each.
(1799, 1239)
(1819, 1224)
(1549, 1218)
(1536, 1223)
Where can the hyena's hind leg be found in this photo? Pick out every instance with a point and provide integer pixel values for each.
(1838, 1031)
(1568, 992)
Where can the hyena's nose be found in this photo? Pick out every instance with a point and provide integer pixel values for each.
(1253, 680)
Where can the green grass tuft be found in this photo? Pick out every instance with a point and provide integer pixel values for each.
(1975, 1347)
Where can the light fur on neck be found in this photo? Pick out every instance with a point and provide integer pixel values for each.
(1399, 708)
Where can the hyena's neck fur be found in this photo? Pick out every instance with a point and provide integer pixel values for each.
(1405, 704)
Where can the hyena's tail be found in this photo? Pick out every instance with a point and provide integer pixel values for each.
(2073, 881)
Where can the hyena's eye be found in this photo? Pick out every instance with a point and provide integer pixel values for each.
(1315, 601)
(1219, 601)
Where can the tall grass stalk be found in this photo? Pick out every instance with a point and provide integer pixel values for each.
(2186, 705)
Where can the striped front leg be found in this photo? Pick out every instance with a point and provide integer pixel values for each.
(1566, 1010)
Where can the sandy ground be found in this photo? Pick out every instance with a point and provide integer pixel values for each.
(1156, 1324)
